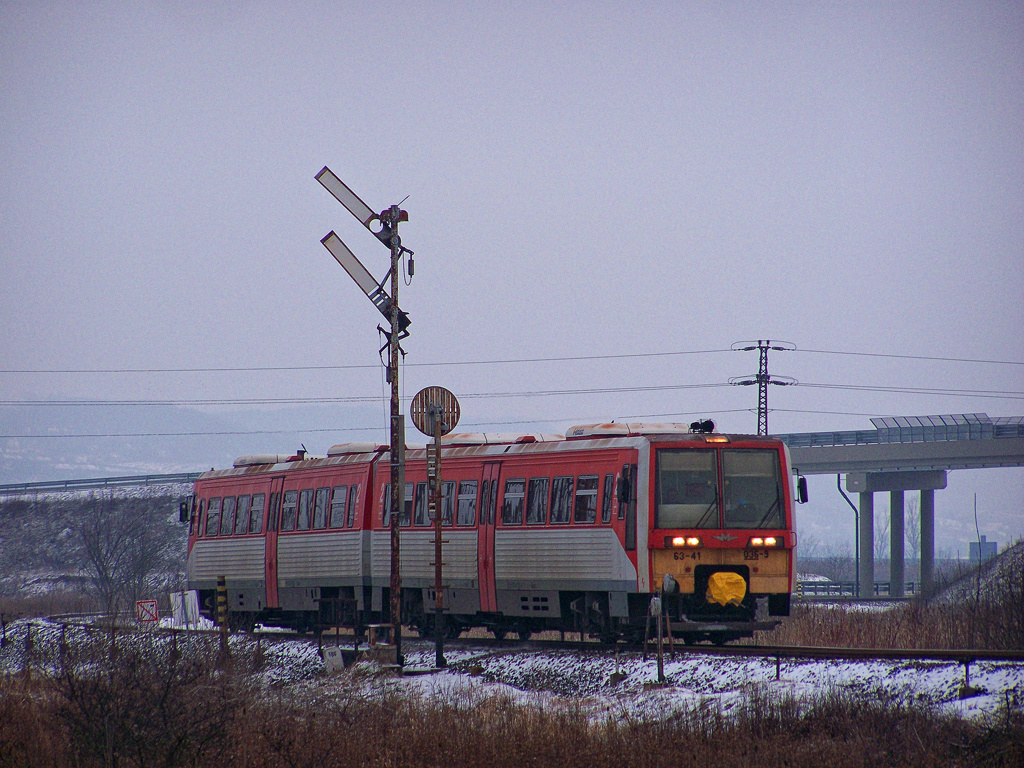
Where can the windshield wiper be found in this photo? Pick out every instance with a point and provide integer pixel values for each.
(711, 506)
(771, 510)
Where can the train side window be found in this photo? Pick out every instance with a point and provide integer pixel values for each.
(512, 504)
(494, 502)
(385, 507)
(288, 509)
(213, 517)
(320, 508)
(585, 509)
(197, 519)
(606, 500)
(338, 501)
(256, 513)
(274, 513)
(537, 501)
(305, 508)
(447, 502)
(467, 503)
(353, 496)
(227, 516)
(561, 499)
(421, 504)
(242, 515)
(407, 507)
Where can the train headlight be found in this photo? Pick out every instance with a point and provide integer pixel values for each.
(766, 541)
(682, 541)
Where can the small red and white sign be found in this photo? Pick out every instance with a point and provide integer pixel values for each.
(146, 610)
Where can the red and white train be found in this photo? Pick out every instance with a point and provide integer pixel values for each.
(539, 532)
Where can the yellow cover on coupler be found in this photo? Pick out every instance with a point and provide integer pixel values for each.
(726, 588)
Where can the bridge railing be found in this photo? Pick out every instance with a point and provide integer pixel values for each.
(848, 588)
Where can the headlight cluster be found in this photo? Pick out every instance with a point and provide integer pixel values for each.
(766, 541)
(684, 541)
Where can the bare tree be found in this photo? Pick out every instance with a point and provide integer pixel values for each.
(126, 551)
(913, 528)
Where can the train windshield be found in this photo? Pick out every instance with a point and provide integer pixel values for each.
(687, 489)
(752, 483)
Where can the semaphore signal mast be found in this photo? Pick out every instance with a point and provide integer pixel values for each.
(383, 226)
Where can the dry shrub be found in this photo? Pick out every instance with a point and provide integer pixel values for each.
(988, 616)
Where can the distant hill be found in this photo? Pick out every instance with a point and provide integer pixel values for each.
(51, 542)
(137, 440)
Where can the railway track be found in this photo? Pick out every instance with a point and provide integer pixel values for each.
(348, 641)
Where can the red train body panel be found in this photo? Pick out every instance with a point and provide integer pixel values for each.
(539, 532)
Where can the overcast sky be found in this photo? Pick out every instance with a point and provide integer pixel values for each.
(583, 180)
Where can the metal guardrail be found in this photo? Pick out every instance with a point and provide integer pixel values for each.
(17, 489)
(848, 588)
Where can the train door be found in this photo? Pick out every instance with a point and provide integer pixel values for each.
(485, 548)
(273, 513)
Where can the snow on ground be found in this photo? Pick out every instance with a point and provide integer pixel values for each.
(585, 679)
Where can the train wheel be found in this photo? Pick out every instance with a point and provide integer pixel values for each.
(523, 633)
(499, 633)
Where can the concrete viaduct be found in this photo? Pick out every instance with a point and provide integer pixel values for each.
(906, 453)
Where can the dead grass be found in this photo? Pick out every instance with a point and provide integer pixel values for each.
(138, 704)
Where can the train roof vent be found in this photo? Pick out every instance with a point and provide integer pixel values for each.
(263, 458)
(342, 449)
(497, 438)
(620, 429)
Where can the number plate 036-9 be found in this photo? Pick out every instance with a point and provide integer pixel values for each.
(755, 554)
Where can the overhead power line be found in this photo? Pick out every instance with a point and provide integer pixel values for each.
(447, 364)
(911, 357)
(503, 361)
(932, 391)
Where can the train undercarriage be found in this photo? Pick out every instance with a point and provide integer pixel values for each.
(605, 616)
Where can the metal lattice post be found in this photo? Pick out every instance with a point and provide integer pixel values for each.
(762, 388)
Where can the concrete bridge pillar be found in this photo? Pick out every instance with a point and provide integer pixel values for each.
(866, 566)
(866, 484)
(927, 543)
(897, 568)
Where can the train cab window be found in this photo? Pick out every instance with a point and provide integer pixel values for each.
(320, 508)
(752, 484)
(606, 499)
(687, 489)
(537, 501)
(353, 496)
(256, 513)
(197, 519)
(385, 505)
(585, 509)
(213, 517)
(467, 502)
(447, 502)
(227, 516)
(420, 517)
(407, 507)
(305, 509)
(338, 501)
(242, 515)
(561, 500)
(288, 509)
(512, 505)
